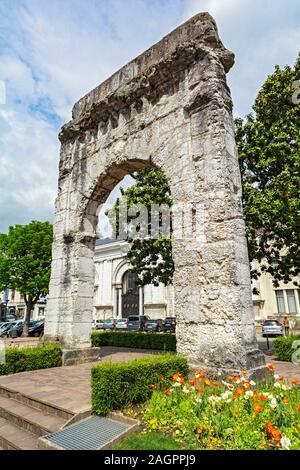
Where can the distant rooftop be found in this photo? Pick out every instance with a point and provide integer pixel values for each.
(106, 241)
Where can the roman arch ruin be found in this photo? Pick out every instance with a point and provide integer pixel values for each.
(170, 108)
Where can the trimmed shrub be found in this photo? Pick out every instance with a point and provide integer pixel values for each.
(135, 339)
(115, 385)
(283, 346)
(41, 357)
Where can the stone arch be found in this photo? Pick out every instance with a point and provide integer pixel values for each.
(170, 108)
(120, 270)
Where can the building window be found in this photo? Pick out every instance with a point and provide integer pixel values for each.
(280, 301)
(12, 294)
(291, 299)
(129, 282)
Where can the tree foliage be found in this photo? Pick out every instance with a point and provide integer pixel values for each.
(269, 154)
(151, 257)
(25, 262)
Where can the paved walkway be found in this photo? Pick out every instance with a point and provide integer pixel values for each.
(66, 387)
(69, 387)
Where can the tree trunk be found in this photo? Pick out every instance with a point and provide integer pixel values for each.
(29, 305)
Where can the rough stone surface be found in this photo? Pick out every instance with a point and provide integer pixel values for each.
(170, 108)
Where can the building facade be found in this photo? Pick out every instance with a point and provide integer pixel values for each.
(116, 292)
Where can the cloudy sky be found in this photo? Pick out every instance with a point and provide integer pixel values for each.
(53, 52)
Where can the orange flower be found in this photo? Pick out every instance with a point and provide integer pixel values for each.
(201, 390)
(192, 382)
(239, 391)
(207, 382)
(230, 378)
(298, 408)
(181, 380)
(281, 378)
(273, 432)
(270, 367)
(204, 372)
(245, 373)
(167, 391)
(262, 397)
(257, 408)
(215, 383)
(202, 377)
(176, 376)
(153, 386)
(197, 372)
(285, 400)
(161, 378)
(238, 378)
(294, 382)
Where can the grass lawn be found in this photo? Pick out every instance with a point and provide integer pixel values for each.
(152, 441)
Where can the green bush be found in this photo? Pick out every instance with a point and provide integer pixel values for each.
(41, 357)
(283, 347)
(135, 339)
(115, 385)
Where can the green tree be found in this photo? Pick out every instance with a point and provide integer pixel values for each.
(269, 154)
(25, 262)
(151, 257)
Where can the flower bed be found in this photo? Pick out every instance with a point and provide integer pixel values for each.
(235, 413)
(115, 385)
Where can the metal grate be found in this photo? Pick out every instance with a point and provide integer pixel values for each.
(89, 434)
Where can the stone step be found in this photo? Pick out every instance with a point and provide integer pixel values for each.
(14, 438)
(35, 403)
(30, 419)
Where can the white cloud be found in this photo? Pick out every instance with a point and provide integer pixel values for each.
(55, 52)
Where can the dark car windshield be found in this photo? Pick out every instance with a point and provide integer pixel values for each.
(271, 323)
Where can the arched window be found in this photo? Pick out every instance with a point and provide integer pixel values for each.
(129, 284)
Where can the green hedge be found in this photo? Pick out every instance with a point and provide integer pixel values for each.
(23, 359)
(135, 339)
(283, 347)
(115, 385)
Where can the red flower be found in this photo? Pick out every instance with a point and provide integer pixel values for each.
(273, 432)
(167, 391)
(192, 382)
(294, 382)
(298, 408)
(270, 367)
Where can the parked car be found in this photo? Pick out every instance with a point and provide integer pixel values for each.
(37, 329)
(153, 325)
(6, 327)
(109, 324)
(272, 328)
(98, 324)
(137, 322)
(121, 324)
(17, 330)
(169, 324)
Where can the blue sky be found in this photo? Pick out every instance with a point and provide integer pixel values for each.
(53, 52)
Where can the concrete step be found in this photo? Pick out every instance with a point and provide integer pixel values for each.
(30, 419)
(14, 438)
(35, 403)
